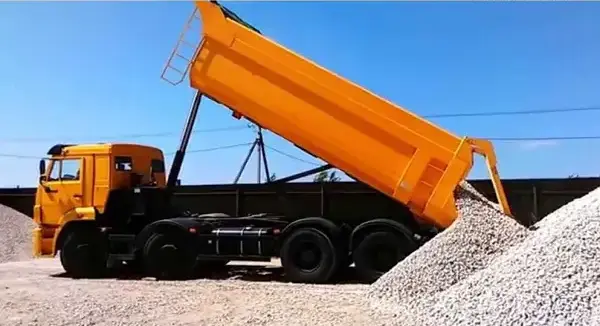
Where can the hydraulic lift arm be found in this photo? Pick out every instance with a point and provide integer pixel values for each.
(185, 139)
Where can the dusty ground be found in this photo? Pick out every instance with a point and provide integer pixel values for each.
(36, 293)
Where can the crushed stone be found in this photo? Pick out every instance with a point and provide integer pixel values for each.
(31, 294)
(480, 234)
(551, 278)
(15, 235)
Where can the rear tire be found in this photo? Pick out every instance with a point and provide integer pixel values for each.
(167, 256)
(308, 256)
(378, 252)
(84, 254)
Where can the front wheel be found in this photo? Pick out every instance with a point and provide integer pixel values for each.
(84, 254)
(308, 256)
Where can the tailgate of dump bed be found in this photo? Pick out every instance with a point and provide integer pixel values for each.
(362, 134)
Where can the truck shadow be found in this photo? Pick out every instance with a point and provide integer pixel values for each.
(234, 272)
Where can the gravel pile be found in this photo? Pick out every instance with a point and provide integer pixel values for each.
(479, 235)
(551, 278)
(15, 235)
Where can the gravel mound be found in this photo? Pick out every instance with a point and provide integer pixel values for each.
(15, 235)
(551, 278)
(479, 235)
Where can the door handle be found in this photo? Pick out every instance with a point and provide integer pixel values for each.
(77, 196)
(50, 190)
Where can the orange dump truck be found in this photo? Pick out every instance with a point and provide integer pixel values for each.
(113, 204)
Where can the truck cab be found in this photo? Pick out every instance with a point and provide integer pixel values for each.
(75, 182)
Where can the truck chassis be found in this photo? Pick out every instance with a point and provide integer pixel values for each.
(311, 249)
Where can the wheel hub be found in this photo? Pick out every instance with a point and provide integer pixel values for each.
(385, 258)
(168, 253)
(83, 251)
(308, 257)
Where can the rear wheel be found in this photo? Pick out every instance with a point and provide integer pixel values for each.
(308, 256)
(84, 254)
(378, 252)
(168, 256)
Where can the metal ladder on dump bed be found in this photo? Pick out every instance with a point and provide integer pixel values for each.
(179, 73)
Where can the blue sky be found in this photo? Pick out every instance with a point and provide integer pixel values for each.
(77, 71)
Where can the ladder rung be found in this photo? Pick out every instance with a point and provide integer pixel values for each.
(170, 81)
(187, 43)
(182, 57)
(179, 71)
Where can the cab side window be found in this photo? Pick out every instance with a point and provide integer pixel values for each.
(123, 163)
(54, 170)
(65, 170)
(69, 170)
(158, 166)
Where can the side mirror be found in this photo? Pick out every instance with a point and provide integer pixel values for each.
(42, 167)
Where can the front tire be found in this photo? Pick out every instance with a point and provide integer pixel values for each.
(84, 254)
(308, 256)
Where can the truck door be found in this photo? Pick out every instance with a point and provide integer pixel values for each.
(64, 189)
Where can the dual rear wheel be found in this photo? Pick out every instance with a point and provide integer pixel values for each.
(309, 255)
(168, 256)
(380, 251)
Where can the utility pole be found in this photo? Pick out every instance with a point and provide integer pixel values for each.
(259, 145)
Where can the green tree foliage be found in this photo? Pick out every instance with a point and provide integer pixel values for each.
(325, 176)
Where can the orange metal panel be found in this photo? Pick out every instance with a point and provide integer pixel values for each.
(374, 140)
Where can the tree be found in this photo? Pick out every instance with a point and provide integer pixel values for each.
(325, 176)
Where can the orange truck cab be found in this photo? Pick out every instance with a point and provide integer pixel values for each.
(76, 180)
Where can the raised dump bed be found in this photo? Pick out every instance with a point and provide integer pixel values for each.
(377, 142)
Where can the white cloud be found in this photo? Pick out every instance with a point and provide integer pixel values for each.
(531, 145)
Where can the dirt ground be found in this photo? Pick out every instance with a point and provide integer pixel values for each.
(36, 292)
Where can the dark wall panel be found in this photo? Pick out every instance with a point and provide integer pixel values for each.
(530, 199)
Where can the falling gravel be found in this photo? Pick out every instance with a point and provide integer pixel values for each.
(479, 235)
(15, 235)
(551, 278)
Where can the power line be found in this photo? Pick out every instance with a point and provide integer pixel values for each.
(443, 115)
(20, 156)
(124, 136)
(200, 150)
(291, 156)
(522, 112)
(211, 149)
